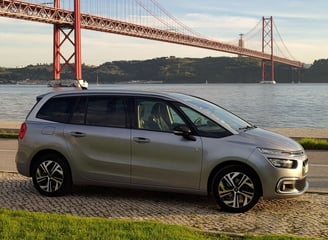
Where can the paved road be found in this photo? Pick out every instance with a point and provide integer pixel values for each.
(304, 216)
(318, 173)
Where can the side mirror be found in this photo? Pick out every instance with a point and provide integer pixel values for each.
(184, 131)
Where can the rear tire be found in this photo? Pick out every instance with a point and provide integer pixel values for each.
(236, 188)
(51, 175)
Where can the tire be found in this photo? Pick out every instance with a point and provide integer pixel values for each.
(236, 189)
(51, 175)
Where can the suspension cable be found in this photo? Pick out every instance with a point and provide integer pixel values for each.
(282, 41)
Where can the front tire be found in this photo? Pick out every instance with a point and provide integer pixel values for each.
(51, 175)
(236, 188)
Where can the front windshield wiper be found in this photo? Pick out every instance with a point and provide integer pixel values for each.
(246, 128)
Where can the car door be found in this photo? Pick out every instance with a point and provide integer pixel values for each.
(98, 138)
(159, 157)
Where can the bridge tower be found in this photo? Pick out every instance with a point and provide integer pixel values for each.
(72, 37)
(267, 46)
(241, 43)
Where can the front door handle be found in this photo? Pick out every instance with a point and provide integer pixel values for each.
(78, 134)
(141, 140)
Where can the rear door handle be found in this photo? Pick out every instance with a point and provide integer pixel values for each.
(141, 140)
(78, 134)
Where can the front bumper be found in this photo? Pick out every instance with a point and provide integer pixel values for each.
(292, 186)
(286, 181)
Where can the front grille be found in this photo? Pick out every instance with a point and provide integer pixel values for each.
(300, 184)
(295, 153)
(305, 167)
(305, 163)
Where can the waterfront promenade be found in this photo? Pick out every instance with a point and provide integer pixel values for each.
(305, 216)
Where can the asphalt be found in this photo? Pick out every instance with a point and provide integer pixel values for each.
(305, 216)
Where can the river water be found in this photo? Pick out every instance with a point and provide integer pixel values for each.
(265, 105)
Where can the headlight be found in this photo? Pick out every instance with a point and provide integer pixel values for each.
(283, 163)
(279, 158)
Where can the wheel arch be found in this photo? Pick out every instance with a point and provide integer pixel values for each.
(48, 151)
(218, 167)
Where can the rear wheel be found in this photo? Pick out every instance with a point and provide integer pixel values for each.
(236, 188)
(51, 175)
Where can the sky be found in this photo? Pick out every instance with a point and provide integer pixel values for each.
(302, 24)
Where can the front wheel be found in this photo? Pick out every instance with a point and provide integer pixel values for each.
(51, 175)
(236, 188)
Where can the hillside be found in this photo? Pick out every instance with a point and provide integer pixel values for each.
(171, 70)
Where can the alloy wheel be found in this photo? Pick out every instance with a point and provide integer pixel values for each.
(49, 176)
(236, 189)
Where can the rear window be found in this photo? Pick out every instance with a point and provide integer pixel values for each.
(107, 111)
(57, 109)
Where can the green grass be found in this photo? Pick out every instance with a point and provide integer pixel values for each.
(314, 144)
(8, 134)
(24, 225)
(27, 225)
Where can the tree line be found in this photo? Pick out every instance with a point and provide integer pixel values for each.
(173, 70)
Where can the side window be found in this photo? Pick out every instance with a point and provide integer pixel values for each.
(57, 109)
(108, 111)
(205, 126)
(153, 114)
(78, 114)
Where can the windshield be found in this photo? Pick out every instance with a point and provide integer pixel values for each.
(216, 113)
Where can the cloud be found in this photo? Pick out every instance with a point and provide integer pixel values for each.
(302, 27)
(226, 27)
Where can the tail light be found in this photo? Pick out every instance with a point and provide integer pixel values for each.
(22, 131)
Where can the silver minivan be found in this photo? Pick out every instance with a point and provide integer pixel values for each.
(157, 141)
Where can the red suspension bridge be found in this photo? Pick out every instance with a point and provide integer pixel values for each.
(136, 18)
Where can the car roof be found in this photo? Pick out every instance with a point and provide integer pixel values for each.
(168, 95)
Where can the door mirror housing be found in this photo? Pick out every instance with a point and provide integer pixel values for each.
(184, 131)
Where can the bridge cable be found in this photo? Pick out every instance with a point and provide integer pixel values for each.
(282, 41)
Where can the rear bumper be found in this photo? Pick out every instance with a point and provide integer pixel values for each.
(21, 164)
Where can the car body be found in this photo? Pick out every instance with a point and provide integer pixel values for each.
(159, 141)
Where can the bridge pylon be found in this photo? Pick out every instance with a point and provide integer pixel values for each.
(72, 38)
(267, 46)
